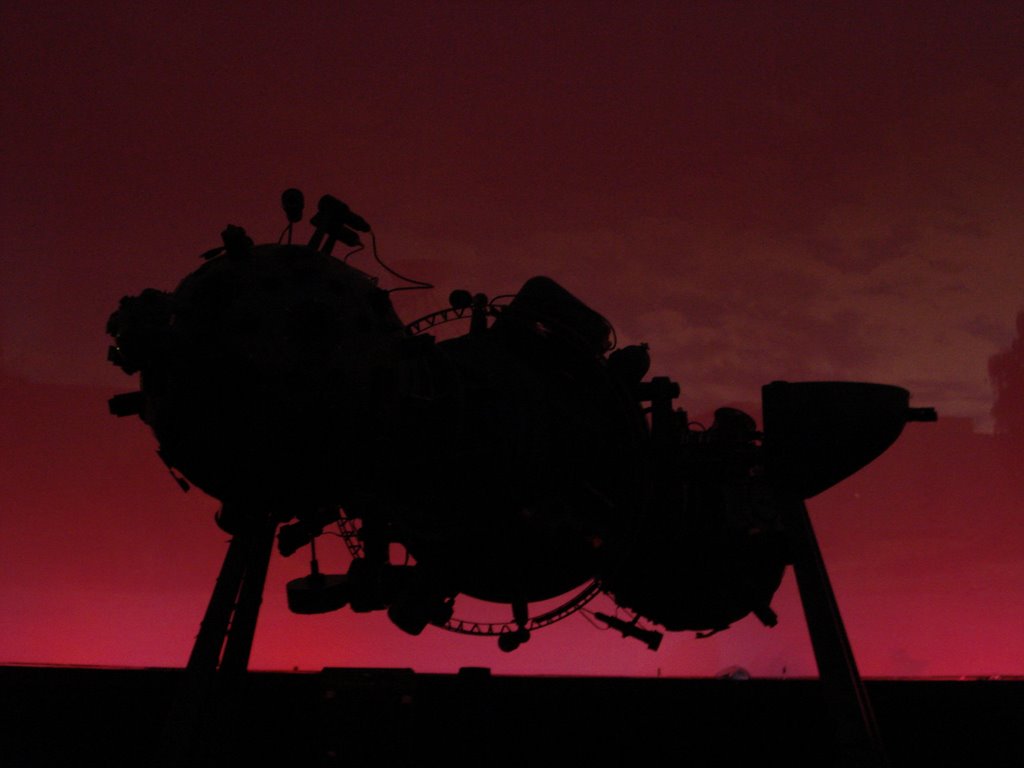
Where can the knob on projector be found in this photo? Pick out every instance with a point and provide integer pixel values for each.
(293, 202)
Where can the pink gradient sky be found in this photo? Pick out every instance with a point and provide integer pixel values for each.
(758, 190)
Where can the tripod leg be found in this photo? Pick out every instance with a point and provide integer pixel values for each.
(190, 710)
(214, 627)
(206, 696)
(856, 731)
(259, 546)
(225, 707)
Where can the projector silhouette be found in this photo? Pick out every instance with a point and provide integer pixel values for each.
(523, 460)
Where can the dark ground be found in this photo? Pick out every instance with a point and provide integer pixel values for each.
(66, 716)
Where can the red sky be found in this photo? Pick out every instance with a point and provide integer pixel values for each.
(757, 190)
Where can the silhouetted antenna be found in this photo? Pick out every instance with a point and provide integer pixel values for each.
(292, 201)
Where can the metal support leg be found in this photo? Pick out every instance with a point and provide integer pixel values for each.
(856, 730)
(259, 545)
(196, 725)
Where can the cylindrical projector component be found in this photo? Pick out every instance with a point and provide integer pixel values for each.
(514, 463)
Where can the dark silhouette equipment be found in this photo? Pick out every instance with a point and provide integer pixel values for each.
(523, 461)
